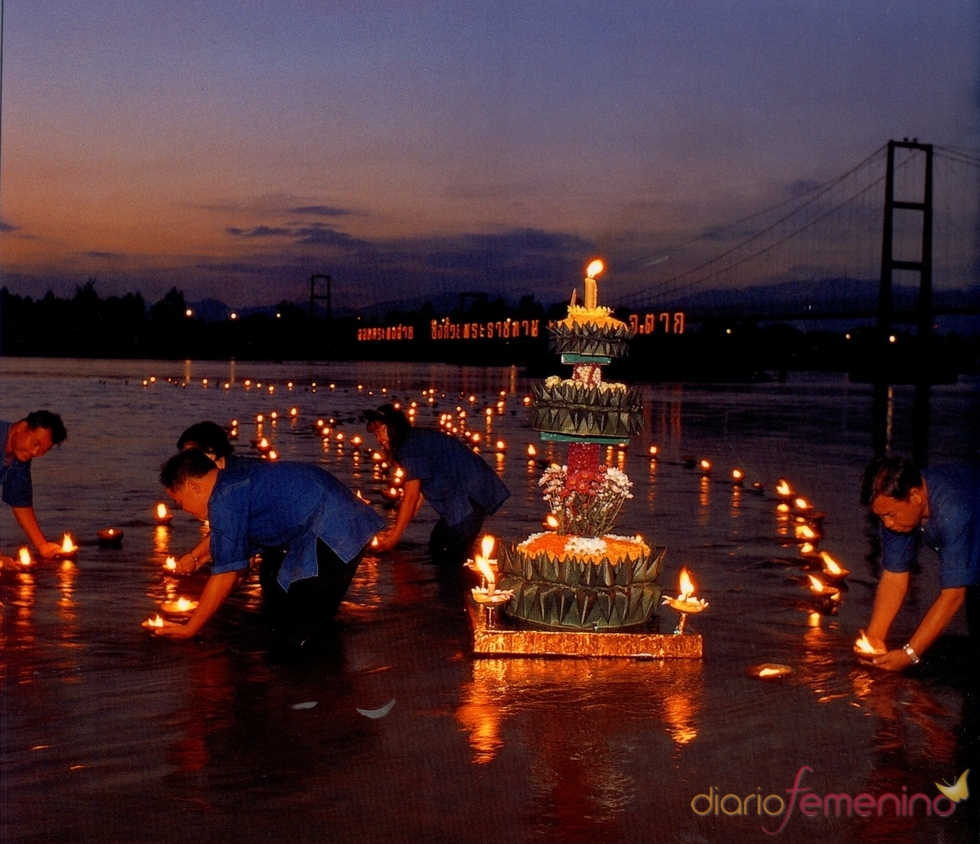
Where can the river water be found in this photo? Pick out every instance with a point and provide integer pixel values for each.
(111, 736)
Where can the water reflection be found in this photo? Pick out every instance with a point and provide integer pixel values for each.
(532, 693)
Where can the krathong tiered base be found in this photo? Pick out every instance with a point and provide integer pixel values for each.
(496, 635)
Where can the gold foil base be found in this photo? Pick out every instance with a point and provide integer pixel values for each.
(494, 637)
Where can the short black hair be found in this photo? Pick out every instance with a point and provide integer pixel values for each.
(186, 464)
(50, 421)
(210, 437)
(889, 475)
(394, 419)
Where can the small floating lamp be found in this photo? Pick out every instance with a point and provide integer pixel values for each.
(783, 489)
(163, 515)
(24, 557)
(110, 536)
(179, 607)
(738, 477)
(769, 671)
(831, 568)
(68, 547)
(154, 621)
(170, 564)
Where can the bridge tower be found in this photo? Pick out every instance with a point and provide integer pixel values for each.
(889, 262)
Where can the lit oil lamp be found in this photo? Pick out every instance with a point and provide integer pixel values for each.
(704, 467)
(24, 557)
(769, 671)
(68, 548)
(809, 549)
(783, 489)
(738, 477)
(551, 522)
(163, 516)
(806, 533)
(170, 564)
(153, 622)
(864, 647)
(653, 451)
(685, 603)
(179, 607)
(828, 595)
(532, 452)
(483, 563)
(110, 536)
(831, 568)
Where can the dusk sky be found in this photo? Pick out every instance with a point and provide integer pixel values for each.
(234, 148)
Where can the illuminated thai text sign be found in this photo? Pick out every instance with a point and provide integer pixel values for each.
(506, 329)
(662, 323)
(387, 332)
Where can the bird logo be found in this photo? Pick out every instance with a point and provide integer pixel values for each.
(958, 791)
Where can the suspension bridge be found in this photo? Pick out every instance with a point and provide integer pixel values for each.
(894, 239)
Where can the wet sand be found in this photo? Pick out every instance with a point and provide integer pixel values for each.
(111, 736)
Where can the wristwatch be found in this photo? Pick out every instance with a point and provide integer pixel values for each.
(911, 654)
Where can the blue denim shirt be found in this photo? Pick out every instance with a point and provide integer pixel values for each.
(450, 475)
(15, 476)
(952, 529)
(256, 505)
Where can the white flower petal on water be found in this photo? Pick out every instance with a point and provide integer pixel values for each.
(378, 713)
(308, 704)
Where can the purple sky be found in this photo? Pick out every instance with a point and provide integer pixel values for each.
(232, 149)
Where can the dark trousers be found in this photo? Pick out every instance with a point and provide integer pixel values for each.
(451, 545)
(311, 603)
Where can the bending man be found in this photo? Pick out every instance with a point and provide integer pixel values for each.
(31, 437)
(941, 505)
(255, 505)
(458, 484)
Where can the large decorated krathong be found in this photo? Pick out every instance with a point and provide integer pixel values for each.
(597, 590)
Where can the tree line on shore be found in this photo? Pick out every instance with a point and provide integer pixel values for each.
(87, 325)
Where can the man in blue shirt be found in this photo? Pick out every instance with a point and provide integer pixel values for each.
(255, 505)
(942, 506)
(31, 437)
(458, 484)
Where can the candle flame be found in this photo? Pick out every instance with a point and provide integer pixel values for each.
(185, 604)
(819, 587)
(864, 645)
(170, 564)
(161, 510)
(801, 504)
(486, 546)
(737, 474)
(768, 672)
(155, 621)
(685, 585)
(67, 546)
(594, 268)
(830, 564)
(551, 521)
(484, 568)
(805, 532)
(24, 557)
(783, 488)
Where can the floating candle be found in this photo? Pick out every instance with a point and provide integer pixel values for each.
(823, 590)
(110, 536)
(24, 557)
(769, 671)
(831, 568)
(783, 489)
(163, 516)
(154, 621)
(68, 547)
(738, 477)
(170, 564)
(181, 605)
